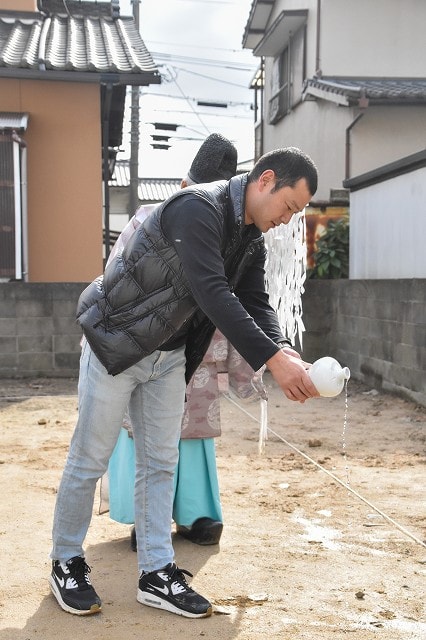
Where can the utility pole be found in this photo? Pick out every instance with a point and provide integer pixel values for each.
(134, 135)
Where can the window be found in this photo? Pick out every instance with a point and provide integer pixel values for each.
(12, 199)
(279, 103)
(288, 74)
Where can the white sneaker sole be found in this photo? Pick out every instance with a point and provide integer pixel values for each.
(95, 608)
(152, 601)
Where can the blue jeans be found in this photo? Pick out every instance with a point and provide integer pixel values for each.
(156, 386)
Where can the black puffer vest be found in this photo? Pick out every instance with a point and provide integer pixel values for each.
(144, 298)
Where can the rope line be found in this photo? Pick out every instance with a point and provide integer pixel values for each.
(335, 478)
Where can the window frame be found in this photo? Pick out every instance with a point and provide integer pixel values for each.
(283, 100)
(13, 242)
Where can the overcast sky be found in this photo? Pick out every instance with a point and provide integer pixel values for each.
(197, 46)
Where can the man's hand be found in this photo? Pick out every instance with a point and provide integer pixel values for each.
(290, 372)
(291, 352)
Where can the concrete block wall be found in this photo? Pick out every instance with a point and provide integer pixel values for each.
(39, 335)
(375, 327)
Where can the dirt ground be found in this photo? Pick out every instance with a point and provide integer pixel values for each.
(301, 556)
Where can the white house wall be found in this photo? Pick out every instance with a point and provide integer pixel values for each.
(358, 38)
(294, 5)
(373, 37)
(374, 140)
(388, 228)
(119, 202)
(364, 37)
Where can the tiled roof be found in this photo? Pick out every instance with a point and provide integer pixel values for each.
(245, 165)
(156, 189)
(350, 91)
(80, 7)
(38, 45)
(149, 189)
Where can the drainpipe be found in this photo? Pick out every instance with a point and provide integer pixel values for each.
(134, 136)
(348, 145)
(105, 164)
(262, 107)
(363, 103)
(24, 204)
(18, 206)
(318, 71)
(21, 207)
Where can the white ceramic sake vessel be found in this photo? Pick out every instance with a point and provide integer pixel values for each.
(328, 376)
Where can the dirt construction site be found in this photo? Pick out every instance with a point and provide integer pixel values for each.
(324, 532)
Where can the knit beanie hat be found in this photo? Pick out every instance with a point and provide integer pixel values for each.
(216, 160)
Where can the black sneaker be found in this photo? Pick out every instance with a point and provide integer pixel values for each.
(71, 587)
(168, 589)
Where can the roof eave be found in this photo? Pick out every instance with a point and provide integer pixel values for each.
(260, 13)
(135, 79)
(392, 102)
(353, 99)
(386, 172)
(323, 94)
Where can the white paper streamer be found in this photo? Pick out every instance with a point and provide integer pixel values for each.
(263, 429)
(285, 277)
(286, 274)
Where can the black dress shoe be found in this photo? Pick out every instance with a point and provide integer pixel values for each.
(133, 543)
(203, 531)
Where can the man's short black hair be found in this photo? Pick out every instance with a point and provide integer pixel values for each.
(289, 165)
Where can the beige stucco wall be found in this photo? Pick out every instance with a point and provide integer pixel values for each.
(64, 177)
(18, 5)
(294, 5)
(380, 38)
(374, 140)
(358, 38)
(364, 37)
(318, 129)
(377, 138)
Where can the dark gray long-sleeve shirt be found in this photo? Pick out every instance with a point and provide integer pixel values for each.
(195, 229)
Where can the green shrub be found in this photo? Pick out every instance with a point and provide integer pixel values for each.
(332, 254)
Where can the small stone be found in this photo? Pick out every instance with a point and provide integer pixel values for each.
(360, 595)
(258, 597)
(224, 611)
(314, 442)
(42, 421)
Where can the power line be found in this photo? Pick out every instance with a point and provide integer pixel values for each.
(203, 75)
(191, 46)
(197, 115)
(222, 114)
(206, 62)
(175, 97)
(210, 1)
